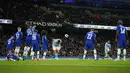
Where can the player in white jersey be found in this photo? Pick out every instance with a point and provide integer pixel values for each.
(56, 45)
(107, 49)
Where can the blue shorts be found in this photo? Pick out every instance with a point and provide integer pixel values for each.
(9, 48)
(28, 41)
(121, 43)
(89, 46)
(12, 57)
(44, 47)
(35, 46)
(18, 43)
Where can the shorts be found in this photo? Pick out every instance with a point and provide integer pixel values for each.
(44, 47)
(107, 49)
(18, 43)
(35, 46)
(9, 48)
(121, 43)
(28, 41)
(56, 47)
(89, 46)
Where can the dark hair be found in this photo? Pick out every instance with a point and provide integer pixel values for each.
(59, 41)
(43, 32)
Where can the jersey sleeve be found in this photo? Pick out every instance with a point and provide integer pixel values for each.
(21, 35)
(117, 28)
(94, 37)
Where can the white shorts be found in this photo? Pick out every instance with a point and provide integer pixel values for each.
(107, 49)
(56, 47)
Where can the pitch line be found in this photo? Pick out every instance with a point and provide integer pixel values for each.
(66, 65)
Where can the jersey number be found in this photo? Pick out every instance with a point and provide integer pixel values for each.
(9, 41)
(122, 30)
(33, 37)
(89, 36)
(17, 35)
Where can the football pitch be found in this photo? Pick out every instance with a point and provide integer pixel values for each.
(65, 66)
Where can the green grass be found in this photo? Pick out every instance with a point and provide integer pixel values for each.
(65, 66)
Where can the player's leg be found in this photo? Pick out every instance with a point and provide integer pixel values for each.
(25, 52)
(119, 45)
(38, 51)
(85, 51)
(55, 51)
(38, 54)
(118, 54)
(95, 54)
(105, 53)
(124, 50)
(18, 45)
(27, 47)
(16, 50)
(94, 51)
(124, 54)
(44, 50)
(108, 50)
(8, 55)
(32, 52)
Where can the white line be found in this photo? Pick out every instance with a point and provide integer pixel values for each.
(66, 65)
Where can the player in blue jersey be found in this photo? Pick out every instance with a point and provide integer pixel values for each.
(34, 28)
(90, 40)
(121, 38)
(18, 40)
(35, 45)
(13, 57)
(44, 43)
(56, 45)
(10, 44)
(27, 47)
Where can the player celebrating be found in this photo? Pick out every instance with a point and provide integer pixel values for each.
(35, 45)
(107, 49)
(122, 37)
(28, 41)
(44, 43)
(89, 44)
(56, 45)
(10, 44)
(18, 40)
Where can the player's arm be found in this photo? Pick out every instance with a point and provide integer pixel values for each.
(127, 37)
(95, 40)
(39, 38)
(117, 32)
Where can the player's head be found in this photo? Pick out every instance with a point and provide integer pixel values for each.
(120, 22)
(58, 41)
(108, 41)
(92, 30)
(10, 52)
(44, 32)
(30, 26)
(34, 26)
(19, 28)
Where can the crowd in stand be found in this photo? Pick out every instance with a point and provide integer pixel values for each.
(71, 14)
